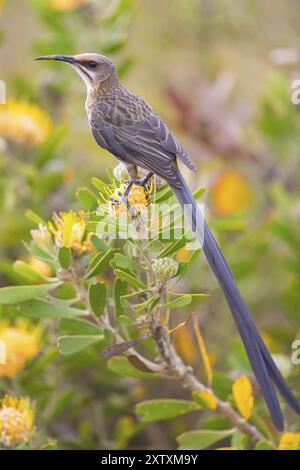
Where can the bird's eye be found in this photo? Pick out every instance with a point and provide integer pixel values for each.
(92, 64)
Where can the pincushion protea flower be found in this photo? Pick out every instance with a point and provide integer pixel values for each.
(24, 122)
(69, 231)
(22, 341)
(138, 198)
(164, 268)
(16, 421)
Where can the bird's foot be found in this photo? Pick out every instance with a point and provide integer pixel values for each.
(123, 198)
(142, 181)
(135, 200)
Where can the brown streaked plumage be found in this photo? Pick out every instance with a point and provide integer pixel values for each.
(130, 129)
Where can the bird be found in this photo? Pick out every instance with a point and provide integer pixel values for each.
(131, 130)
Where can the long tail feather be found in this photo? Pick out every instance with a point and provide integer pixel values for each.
(263, 365)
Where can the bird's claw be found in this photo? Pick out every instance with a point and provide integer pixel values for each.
(123, 199)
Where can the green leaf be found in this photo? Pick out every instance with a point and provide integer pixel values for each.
(78, 326)
(181, 301)
(99, 185)
(119, 288)
(221, 384)
(99, 244)
(239, 440)
(196, 440)
(64, 257)
(124, 320)
(121, 366)
(122, 261)
(43, 309)
(37, 252)
(101, 264)
(17, 294)
(166, 408)
(87, 199)
(263, 445)
(174, 247)
(72, 344)
(97, 297)
(147, 305)
(130, 279)
(36, 219)
(23, 269)
(163, 195)
(199, 192)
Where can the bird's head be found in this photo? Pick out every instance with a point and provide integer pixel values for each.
(92, 68)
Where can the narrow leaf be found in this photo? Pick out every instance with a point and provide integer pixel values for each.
(77, 326)
(97, 297)
(162, 409)
(130, 279)
(87, 199)
(119, 288)
(243, 396)
(72, 344)
(197, 440)
(181, 301)
(64, 257)
(121, 366)
(16, 294)
(43, 309)
(102, 264)
(26, 271)
(35, 218)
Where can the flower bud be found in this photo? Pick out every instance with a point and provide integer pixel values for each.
(120, 172)
(164, 268)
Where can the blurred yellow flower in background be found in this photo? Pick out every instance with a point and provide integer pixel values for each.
(22, 342)
(65, 5)
(231, 193)
(289, 441)
(24, 122)
(16, 421)
(69, 231)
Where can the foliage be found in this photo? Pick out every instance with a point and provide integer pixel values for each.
(123, 343)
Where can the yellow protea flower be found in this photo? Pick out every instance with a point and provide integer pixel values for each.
(138, 198)
(69, 231)
(231, 193)
(289, 441)
(243, 396)
(24, 122)
(16, 421)
(65, 5)
(22, 341)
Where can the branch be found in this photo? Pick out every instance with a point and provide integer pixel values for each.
(75, 275)
(178, 370)
(174, 366)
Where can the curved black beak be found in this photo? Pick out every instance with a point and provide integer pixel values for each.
(64, 58)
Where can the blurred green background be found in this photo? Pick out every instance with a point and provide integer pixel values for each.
(220, 74)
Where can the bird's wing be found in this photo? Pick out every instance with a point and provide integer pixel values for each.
(144, 141)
